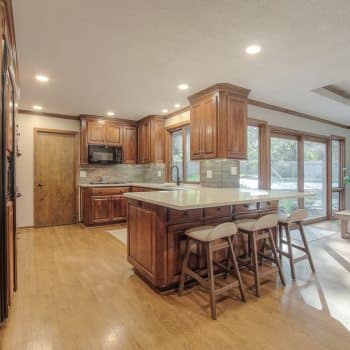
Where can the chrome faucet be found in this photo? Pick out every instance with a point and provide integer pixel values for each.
(177, 173)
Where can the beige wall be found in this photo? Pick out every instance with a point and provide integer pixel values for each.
(25, 171)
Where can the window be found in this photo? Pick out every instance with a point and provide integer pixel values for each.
(315, 178)
(284, 169)
(249, 169)
(180, 156)
(338, 189)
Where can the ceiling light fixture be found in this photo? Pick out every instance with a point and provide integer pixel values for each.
(177, 105)
(111, 114)
(183, 86)
(165, 110)
(42, 78)
(37, 108)
(253, 49)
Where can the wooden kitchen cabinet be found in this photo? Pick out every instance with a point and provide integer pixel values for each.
(100, 131)
(130, 145)
(113, 134)
(96, 132)
(151, 140)
(103, 205)
(219, 122)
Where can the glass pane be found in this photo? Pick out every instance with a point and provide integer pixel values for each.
(335, 202)
(315, 167)
(249, 169)
(191, 166)
(284, 170)
(176, 153)
(335, 163)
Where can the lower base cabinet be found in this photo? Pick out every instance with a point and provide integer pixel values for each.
(103, 206)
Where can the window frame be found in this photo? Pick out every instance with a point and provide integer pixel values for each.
(168, 161)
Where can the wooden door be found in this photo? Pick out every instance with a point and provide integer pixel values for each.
(96, 132)
(196, 131)
(100, 209)
(118, 208)
(55, 157)
(113, 134)
(10, 235)
(209, 133)
(130, 145)
(236, 128)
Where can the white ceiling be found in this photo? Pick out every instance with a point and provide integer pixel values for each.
(129, 56)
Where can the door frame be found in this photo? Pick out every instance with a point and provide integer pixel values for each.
(76, 166)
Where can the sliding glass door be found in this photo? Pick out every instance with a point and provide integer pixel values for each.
(315, 178)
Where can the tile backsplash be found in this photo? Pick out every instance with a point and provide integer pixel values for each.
(122, 173)
(219, 173)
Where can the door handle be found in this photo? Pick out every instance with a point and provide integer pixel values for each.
(40, 185)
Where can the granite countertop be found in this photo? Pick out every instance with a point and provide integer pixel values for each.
(205, 197)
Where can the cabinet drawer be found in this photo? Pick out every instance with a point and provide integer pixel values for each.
(178, 216)
(217, 212)
(245, 208)
(270, 205)
(106, 191)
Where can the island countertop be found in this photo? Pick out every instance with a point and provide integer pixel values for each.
(206, 197)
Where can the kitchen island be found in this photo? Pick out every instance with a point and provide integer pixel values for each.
(157, 222)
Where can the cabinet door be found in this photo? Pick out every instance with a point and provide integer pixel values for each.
(236, 128)
(209, 132)
(144, 145)
(10, 251)
(177, 249)
(113, 134)
(130, 145)
(196, 131)
(157, 141)
(100, 209)
(96, 131)
(118, 205)
(142, 231)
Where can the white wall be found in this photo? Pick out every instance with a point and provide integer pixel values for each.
(289, 121)
(25, 170)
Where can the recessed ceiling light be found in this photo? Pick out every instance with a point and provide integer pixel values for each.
(37, 108)
(42, 78)
(111, 114)
(165, 110)
(253, 49)
(183, 86)
(177, 105)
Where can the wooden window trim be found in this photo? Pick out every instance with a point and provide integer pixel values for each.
(169, 130)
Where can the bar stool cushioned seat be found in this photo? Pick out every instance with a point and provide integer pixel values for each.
(212, 238)
(261, 230)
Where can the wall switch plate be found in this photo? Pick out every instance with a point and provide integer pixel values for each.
(159, 173)
(209, 174)
(82, 173)
(233, 170)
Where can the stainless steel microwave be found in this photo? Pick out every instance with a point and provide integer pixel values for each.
(105, 155)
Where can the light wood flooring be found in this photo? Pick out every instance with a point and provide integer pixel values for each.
(77, 291)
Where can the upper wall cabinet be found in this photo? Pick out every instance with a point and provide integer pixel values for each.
(100, 131)
(151, 140)
(219, 122)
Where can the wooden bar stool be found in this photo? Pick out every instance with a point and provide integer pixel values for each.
(207, 235)
(261, 230)
(287, 222)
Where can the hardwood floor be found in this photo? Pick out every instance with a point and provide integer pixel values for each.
(77, 291)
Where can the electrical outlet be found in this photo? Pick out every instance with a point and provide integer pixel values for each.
(209, 174)
(233, 170)
(159, 173)
(82, 173)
